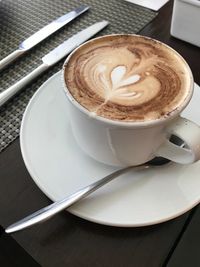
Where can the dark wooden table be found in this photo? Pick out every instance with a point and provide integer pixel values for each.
(66, 240)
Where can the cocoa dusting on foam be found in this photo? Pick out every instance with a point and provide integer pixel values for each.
(127, 78)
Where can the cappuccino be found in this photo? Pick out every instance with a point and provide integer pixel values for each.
(127, 78)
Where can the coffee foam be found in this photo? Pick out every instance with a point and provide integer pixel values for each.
(129, 78)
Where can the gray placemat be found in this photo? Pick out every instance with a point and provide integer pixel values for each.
(21, 18)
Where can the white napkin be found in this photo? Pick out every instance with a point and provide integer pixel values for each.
(152, 4)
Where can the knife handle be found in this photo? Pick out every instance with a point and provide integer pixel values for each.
(11, 57)
(15, 88)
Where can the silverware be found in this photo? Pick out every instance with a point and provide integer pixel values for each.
(49, 211)
(53, 57)
(42, 34)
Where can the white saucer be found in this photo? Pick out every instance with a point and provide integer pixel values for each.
(59, 167)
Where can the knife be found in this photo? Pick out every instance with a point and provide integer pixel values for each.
(53, 57)
(42, 34)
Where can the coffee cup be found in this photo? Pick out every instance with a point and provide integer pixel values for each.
(126, 93)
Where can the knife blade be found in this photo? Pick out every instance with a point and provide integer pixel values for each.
(53, 57)
(43, 33)
(65, 48)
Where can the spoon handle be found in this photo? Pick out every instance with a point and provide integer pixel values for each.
(49, 211)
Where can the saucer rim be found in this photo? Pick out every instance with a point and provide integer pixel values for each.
(70, 209)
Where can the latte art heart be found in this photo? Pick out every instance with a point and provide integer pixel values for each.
(127, 78)
(118, 80)
(119, 84)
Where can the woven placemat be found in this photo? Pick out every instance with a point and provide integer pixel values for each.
(21, 18)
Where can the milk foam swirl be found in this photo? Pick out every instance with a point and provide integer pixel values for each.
(127, 78)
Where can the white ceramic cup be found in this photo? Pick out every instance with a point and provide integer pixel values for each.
(121, 143)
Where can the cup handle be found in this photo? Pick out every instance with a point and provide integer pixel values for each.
(189, 133)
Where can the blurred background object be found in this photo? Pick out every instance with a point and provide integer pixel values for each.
(154, 5)
(186, 21)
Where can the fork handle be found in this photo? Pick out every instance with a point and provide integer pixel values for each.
(15, 88)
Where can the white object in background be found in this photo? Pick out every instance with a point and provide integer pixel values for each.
(154, 5)
(186, 21)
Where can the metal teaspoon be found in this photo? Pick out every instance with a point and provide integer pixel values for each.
(49, 211)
